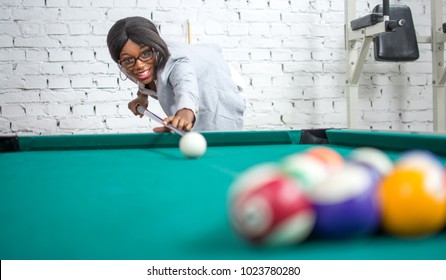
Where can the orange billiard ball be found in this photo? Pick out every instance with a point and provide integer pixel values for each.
(410, 207)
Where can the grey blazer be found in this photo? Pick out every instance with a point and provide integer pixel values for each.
(197, 77)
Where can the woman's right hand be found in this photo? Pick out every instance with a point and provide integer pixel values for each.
(142, 100)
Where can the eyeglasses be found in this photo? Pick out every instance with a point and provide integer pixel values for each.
(145, 56)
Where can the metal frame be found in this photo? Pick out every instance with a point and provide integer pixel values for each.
(355, 60)
(438, 69)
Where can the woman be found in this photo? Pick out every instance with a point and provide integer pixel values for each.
(192, 82)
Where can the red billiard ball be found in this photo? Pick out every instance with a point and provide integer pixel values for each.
(346, 204)
(268, 208)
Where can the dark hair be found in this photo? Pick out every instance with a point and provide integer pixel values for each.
(141, 31)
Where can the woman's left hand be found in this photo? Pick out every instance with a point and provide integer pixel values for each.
(184, 120)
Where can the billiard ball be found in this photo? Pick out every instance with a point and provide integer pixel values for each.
(268, 208)
(332, 160)
(408, 209)
(306, 170)
(372, 157)
(430, 164)
(312, 166)
(193, 145)
(413, 196)
(420, 159)
(346, 204)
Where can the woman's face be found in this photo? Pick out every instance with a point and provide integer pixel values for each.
(139, 61)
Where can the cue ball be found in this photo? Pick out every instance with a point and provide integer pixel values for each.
(193, 145)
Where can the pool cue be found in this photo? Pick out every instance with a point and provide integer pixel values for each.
(147, 113)
(188, 31)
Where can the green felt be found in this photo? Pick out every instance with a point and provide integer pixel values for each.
(69, 197)
(390, 141)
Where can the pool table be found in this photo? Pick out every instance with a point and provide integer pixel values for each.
(136, 197)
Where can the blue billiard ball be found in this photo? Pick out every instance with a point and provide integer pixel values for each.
(346, 203)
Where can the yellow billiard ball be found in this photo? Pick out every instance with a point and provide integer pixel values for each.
(409, 208)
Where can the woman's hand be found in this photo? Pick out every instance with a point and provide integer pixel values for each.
(184, 120)
(140, 100)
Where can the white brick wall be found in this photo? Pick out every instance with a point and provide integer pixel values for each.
(56, 75)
